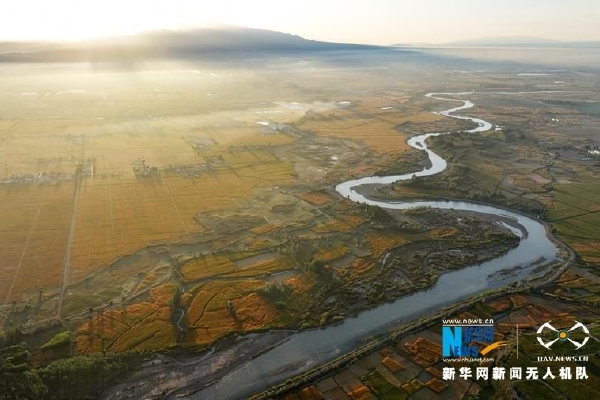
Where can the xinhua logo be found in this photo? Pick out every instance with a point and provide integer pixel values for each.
(563, 335)
(468, 340)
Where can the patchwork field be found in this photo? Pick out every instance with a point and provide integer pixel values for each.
(139, 326)
(96, 173)
(176, 206)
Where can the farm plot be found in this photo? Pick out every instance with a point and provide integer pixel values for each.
(34, 222)
(575, 214)
(212, 312)
(378, 129)
(206, 266)
(243, 135)
(380, 243)
(117, 152)
(140, 326)
(39, 154)
(261, 266)
(220, 265)
(118, 217)
(379, 135)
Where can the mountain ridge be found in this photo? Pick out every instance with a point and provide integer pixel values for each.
(189, 43)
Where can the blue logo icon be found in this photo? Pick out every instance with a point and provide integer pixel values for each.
(466, 340)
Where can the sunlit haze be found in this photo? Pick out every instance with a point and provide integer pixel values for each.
(357, 21)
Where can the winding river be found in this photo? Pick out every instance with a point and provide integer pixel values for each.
(306, 349)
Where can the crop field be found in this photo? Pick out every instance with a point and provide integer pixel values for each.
(303, 282)
(34, 223)
(332, 253)
(238, 137)
(38, 153)
(213, 311)
(117, 212)
(139, 326)
(379, 135)
(380, 243)
(116, 217)
(254, 312)
(575, 213)
(236, 289)
(343, 224)
(147, 157)
(265, 267)
(206, 266)
(384, 124)
(316, 198)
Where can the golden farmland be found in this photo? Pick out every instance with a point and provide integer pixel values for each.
(111, 168)
(175, 211)
(376, 132)
(97, 170)
(34, 224)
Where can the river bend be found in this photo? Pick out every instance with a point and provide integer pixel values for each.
(306, 349)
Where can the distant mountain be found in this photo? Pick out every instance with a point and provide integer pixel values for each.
(508, 41)
(193, 43)
(505, 41)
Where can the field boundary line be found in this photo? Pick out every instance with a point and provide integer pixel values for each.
(14, 279)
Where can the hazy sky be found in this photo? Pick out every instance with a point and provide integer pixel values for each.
(358, 21)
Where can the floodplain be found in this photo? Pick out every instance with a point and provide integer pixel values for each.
(180, 206)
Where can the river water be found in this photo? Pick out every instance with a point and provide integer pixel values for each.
(307, 349)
